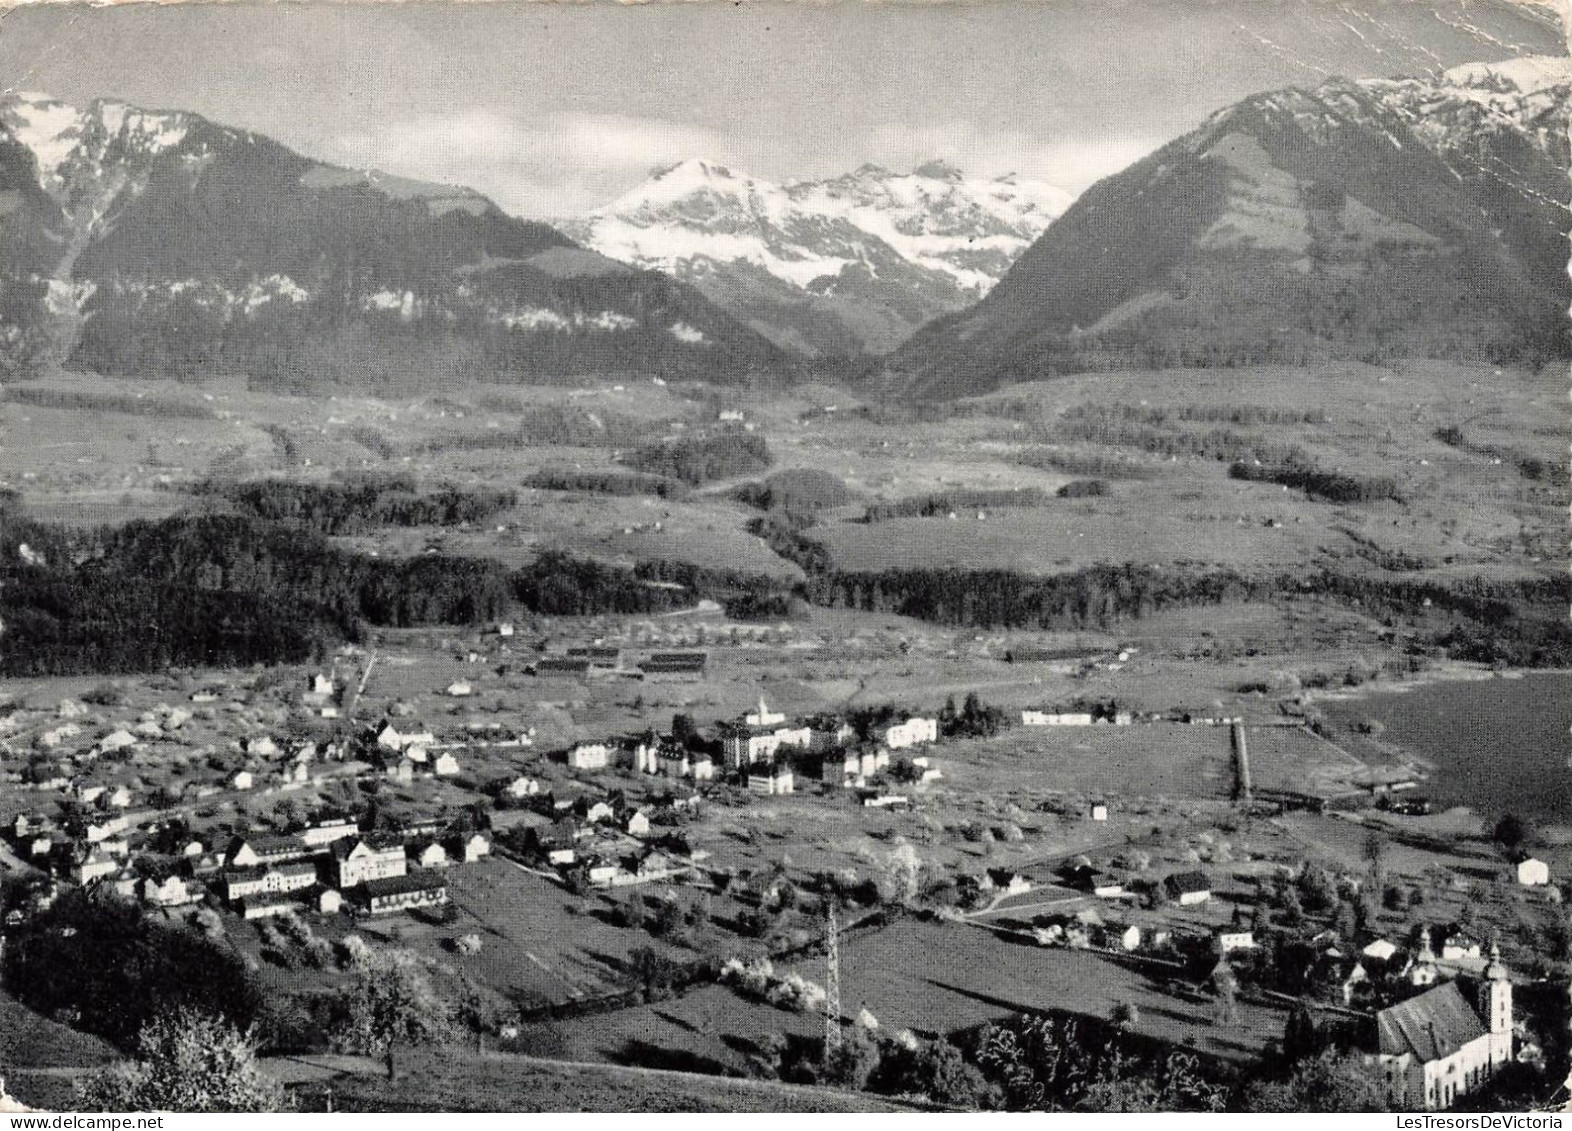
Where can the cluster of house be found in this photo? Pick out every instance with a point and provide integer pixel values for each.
(322, 866)
(1441, 1017)
(767, 752)
(331, 861)
(608, 842)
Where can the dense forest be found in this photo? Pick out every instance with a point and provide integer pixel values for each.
(360, 505)
(556, 584)
(1317, 482)
(947, 502)
(701, 459)
(113, 969)
(229, 590)
(215, 589)
(606, 483)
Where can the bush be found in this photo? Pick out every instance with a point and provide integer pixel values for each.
(467, 945)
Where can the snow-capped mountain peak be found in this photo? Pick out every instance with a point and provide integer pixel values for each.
(901, 247)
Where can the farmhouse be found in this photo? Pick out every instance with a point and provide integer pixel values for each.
(168, 892)
(445, 766)
(1230, 939)
(1532, 872)
(1189, 888)
(522, 787)
(399, 893)
(327, 900)
(469, 848)
(427, 854)
(249, 852)
(358, 861)
(1446, 1043)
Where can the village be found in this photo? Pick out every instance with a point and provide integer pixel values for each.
(1303, 879)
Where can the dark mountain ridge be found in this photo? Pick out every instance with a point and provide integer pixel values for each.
(1365, 220)
(158, 243)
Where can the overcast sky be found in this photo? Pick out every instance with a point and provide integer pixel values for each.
(554, 109)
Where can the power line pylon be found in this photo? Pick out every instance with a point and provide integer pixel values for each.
(832, 988)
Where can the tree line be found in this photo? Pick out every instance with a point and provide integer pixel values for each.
(606, 483)
(701, 459)
(362, 505)
(1331, 486)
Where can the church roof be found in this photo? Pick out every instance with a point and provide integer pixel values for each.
(1431, 1026)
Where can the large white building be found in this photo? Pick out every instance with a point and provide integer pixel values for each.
(747, 745)
(1446, 1043)
(913, 732)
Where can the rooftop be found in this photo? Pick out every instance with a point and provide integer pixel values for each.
(1431, 1026)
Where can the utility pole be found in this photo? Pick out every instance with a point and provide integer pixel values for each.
(832, 989)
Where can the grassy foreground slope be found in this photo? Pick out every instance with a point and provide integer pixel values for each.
(453, 1081)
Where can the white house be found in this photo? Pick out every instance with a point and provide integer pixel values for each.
(242, 780)
(1053, 719)
(1189, 888)
(169, 892)
(1098, 811)
(522, 787)
(1230, 939)
(1445, 1043)
(1381, 950)
(589, 756)
(770, 780)
(1533, 873)
(913, 732)
(445, 766)
(428, 855)
(639, 824)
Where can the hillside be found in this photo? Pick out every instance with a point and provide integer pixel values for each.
(158, 243)
(1367, 220)
(846, 265)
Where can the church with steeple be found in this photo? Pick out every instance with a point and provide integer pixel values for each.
(1449, 1040)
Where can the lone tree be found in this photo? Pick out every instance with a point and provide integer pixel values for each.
(390, 1002)
(1510, 832)
(186, 1061)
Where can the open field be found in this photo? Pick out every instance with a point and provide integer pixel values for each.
(497, 1082)
(937, 977)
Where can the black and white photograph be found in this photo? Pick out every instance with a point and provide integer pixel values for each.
(784, 557)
